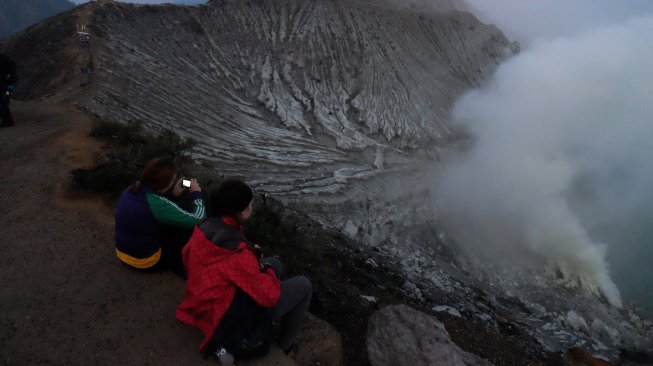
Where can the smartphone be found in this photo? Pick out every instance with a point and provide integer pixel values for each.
(185, 183)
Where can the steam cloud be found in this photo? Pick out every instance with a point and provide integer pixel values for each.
(562, 150)
(527, 20)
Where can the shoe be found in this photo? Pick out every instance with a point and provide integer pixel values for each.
(226, 358)
(291, 351)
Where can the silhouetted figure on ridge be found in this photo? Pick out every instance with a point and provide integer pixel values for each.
(8, 79)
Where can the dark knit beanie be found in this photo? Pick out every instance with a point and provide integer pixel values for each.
(230, 198)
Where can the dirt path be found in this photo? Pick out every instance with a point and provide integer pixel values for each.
(65, 299)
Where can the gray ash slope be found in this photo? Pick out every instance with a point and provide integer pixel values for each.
(337, 108)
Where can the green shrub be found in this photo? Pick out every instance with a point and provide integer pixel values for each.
(129, 147)
(130, 133)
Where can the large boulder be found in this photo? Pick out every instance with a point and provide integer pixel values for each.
(400, 335)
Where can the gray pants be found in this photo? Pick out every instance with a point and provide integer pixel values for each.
(292, 306)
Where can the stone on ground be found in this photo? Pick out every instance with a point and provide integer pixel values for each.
(400, 335)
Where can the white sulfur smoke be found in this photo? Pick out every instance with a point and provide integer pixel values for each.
(562, 142)
(528, 20)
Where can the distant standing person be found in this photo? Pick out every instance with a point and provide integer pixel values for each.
(8, 79)
(151, 228)
(232, 295)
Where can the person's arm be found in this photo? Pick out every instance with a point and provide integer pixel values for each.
(167, 212)
(262, 286)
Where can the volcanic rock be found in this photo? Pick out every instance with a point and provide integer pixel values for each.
(400, 335)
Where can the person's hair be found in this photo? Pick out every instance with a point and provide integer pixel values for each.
(230, 198)
(157, 174)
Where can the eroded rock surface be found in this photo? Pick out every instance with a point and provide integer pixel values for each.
(303, 97)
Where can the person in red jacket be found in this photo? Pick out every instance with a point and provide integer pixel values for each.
(232, 295)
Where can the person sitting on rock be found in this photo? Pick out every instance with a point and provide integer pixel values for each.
(232, 295)
(151, 228)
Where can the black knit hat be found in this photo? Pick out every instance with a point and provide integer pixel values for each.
(230, 198)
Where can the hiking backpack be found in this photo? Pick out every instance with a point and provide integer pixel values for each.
(245, 330)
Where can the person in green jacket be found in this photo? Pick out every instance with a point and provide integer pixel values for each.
(151, 227)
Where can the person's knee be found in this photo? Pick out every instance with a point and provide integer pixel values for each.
(305, 285)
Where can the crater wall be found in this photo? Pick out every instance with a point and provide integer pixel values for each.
(317, 102)
(307, 86)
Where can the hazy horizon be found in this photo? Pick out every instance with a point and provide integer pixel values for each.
(151, 1)
(531, 20)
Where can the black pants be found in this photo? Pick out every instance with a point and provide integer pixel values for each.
(174, 241)
(5, 113)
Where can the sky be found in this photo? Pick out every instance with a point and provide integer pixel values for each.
(529, 20)
(152, 1)
(562, 137)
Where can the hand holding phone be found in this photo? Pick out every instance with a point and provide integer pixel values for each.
(191, 184)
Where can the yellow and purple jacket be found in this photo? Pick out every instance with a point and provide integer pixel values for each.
(140, 217)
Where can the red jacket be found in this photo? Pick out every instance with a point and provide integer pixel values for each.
(216, 266)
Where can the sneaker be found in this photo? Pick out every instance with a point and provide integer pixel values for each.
(225, 358)
(291, 351)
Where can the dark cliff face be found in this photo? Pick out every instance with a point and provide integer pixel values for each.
(15, 15)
